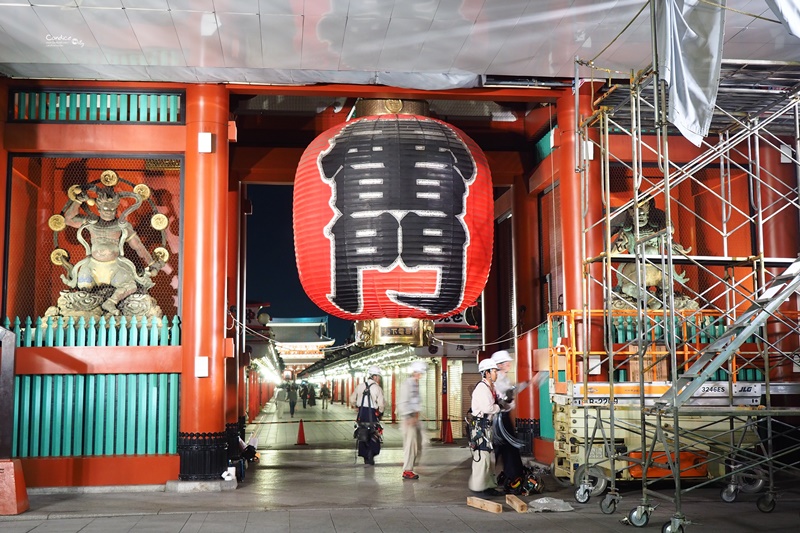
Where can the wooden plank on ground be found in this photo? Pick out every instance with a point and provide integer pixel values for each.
(518, 505)
(485, 505)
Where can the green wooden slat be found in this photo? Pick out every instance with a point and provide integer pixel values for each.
(24, 417)
(162, 410)
(90, 415)
(28, 341)
(39, 337)
(133, 333)
(58, 414)
(100, 414)
(80, 392)
(112, 332)
(120, 428)
(174, 103)
(80, 104)
(123, 107)
(16, 425)
(52, 108)
(154, 327)
(143, 108)
(69, 410)
(143, 332)
(70, 340)
(174, 338)
(162, 108)
(113, 113)
(172, 439)
(43, 98)
(31, 106)
(49, 334)
(35, 419)
(91, 338)
(91, 104)
(17, 332)
(81, 340)
(153, 112)
(151, 394)
(142, 415)
(60, 331)
(102, 332)
(63, 106)
(47, 415)
(164, 335)
(130, 420)
(111, 395)
(122, 340)
(73, 106)
(20, 108)
(103, 107)
(133, 108)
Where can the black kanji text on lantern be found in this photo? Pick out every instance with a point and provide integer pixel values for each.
(399, 188)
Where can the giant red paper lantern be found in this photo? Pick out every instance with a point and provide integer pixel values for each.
(393, 218)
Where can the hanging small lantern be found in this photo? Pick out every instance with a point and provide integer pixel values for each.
(393, 218)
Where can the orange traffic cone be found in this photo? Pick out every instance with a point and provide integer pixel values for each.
(447, 433)
(301, 434)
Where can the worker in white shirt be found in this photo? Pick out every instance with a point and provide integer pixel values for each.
(505, 446)
(484, 408)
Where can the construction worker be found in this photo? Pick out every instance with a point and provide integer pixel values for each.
(484, 408)
(505, 443)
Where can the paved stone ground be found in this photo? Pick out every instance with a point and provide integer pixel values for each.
(320, 487)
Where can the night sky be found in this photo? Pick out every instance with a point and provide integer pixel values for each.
(271, 269)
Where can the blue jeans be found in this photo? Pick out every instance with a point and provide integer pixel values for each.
(291, 408)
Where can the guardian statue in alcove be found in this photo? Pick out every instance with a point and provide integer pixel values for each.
(106, 282)
(652, 220)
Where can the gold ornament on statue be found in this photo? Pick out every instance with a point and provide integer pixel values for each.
(159, 221)
(73, 192)
(393, 106)
(161, 254)
(56, 223)
(142, 190)
(109, 178)
(58, 255)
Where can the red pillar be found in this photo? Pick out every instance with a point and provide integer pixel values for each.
(526, 285)
(571, 217)
(3, 174)
(394, 396)
(447, 431)
(780, 240)
(204, 263)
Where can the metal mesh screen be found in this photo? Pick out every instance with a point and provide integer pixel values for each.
(40, 241)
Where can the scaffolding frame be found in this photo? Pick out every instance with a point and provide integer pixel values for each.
(712, 409)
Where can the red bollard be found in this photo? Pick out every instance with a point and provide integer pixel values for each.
(447, 432)
(301, 434)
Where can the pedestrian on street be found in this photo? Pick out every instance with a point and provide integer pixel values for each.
(304, 394)
(409, 408)
(368, 398)
(325, 394)
(292, 394)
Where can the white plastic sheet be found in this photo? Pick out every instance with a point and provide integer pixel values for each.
(548, 504)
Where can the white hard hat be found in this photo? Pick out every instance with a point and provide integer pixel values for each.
(486, 364)
(374, 371)
(419, 366)
(501, 357)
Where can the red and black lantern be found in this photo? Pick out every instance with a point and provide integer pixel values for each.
(393, 218)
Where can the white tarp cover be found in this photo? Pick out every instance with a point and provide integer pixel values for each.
(690, 36)
(788, 12)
